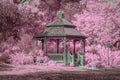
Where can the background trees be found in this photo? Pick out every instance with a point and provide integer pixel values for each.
(100, 20)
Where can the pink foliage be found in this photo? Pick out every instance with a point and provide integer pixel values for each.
(99, 56)
(24, 51)
(100, 22)
(40, 58)
(115, 58)
(21, 58)
(51, 47)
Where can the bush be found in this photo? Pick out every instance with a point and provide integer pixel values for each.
(100, 57)
(21, 58)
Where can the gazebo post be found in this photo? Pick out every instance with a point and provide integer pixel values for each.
(84, 45)
(65, 56)
(81, 51)
(81, 46)
(42, 44)
(45, 46)
(36, 42)
(74, 45)
(57, 45)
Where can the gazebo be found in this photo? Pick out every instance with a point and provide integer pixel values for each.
(63, 30)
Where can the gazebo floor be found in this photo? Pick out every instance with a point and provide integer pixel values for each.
(36, 72)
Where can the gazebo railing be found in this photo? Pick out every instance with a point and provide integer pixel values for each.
(70, 58)
(80, 59)
(59, 58)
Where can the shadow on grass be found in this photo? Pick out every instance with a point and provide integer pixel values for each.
(5, 67)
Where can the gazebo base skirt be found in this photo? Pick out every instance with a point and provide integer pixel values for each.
(67, 59)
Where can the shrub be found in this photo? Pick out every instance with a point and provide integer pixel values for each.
(99, 56)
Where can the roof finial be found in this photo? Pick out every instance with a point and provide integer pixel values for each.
(60, 14)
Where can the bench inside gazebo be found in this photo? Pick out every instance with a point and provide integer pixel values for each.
(61, 30)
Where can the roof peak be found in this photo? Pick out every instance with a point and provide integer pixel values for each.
(60, 21)
(60, 14)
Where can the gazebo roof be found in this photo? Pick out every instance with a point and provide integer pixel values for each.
(60, 28)
(59, 32)
(60, 21)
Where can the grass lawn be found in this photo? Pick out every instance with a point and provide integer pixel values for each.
(52, 72)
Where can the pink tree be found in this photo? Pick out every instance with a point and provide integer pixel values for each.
(100, 22)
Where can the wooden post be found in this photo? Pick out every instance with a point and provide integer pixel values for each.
(57, 45)
(74, 45)
(84, 45)
(42, 44)
(36, 42)
(45, 46)
(108, 54)
(80, 46)
(65, 55)
(82, 52)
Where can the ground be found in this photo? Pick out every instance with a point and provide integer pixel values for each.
(55, 72)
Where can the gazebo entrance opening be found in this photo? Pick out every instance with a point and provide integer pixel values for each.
(62, 32)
